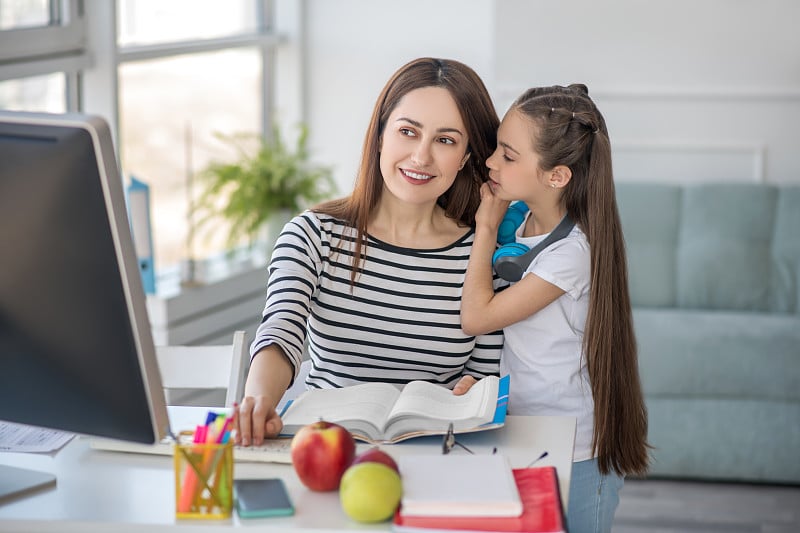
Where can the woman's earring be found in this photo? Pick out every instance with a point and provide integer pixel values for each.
(553, 185)
(464, 161)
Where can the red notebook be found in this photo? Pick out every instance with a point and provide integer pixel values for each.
(541, 502)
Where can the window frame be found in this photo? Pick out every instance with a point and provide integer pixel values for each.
(64, 36)
(60, 47)
(65, 46)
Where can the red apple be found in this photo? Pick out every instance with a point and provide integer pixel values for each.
(321, 452)
(376, 455)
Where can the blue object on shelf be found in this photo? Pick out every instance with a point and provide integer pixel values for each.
(138, 193)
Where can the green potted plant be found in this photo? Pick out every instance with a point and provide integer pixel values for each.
(268, 183)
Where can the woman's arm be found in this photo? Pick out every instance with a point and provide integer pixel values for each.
(277, 350)
(269, 377)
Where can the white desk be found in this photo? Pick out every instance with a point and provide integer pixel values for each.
(119, 492)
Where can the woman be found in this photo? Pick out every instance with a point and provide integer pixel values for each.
(372, 282)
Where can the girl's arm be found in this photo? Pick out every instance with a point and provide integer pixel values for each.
(482, 310)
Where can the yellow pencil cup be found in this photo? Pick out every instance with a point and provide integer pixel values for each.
(203, 480)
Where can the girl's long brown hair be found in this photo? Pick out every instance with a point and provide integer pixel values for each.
(461, 200)
(571, 131)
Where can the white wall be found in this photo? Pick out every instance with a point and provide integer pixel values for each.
(353, 47)
(691, 90)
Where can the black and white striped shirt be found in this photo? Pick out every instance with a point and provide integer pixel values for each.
(399, 322)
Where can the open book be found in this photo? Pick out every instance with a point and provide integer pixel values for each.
(384, 413)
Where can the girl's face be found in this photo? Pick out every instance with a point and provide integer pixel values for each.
(423, 146)
(514, 165)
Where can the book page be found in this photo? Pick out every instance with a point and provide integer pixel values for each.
(360, 408)
(422, 403)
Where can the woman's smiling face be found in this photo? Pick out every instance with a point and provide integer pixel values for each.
(423, 146)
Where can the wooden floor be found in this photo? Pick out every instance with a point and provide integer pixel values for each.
(661, 506)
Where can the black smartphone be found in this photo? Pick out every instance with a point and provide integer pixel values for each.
(257, 498)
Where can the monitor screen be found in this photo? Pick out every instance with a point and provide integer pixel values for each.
(75, 340)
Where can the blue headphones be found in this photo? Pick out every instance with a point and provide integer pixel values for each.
(511, 259)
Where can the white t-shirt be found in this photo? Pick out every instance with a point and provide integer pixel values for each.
(543, 353)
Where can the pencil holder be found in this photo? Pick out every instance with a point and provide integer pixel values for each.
(203, 480)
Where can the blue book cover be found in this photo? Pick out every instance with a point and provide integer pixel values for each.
(502, 401)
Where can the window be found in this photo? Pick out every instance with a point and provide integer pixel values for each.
(31, 29)
(156, 21)
(19, 14)
(42, 50)
(36, 93)
(188, 69)
(182, 71)
(168, 135)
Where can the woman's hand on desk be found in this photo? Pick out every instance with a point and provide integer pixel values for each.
(256, 419)
(267, 380)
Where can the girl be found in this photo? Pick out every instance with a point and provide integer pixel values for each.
(372, 282)
(569, 341)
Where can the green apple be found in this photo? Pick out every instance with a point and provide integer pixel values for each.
(370, 492)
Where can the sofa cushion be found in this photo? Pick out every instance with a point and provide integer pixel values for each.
(724, 439)
(724, 251)
(718, 354)
(785, 290)
(712, 246)
(650, 215)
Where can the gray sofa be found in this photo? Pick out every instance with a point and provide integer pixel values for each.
(714, 272)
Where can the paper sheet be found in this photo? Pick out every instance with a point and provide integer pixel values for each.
(22, 438)
(458, 485)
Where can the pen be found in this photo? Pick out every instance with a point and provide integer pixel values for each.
(221, 468)
(218, 426)
(199, 469)
(189, 485)
(544, 454)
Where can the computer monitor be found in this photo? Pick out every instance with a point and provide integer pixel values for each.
(75, 340)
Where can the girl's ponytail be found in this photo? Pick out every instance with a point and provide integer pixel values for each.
(571, 131)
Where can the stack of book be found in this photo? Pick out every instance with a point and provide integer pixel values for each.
(448, 503)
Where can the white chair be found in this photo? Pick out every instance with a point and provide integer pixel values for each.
(209, 376)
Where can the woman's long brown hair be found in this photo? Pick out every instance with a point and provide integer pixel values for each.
(461, 200)
(570, 131)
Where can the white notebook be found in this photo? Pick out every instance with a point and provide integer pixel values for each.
(458, 485)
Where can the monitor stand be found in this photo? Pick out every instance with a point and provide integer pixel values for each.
(19, 481)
